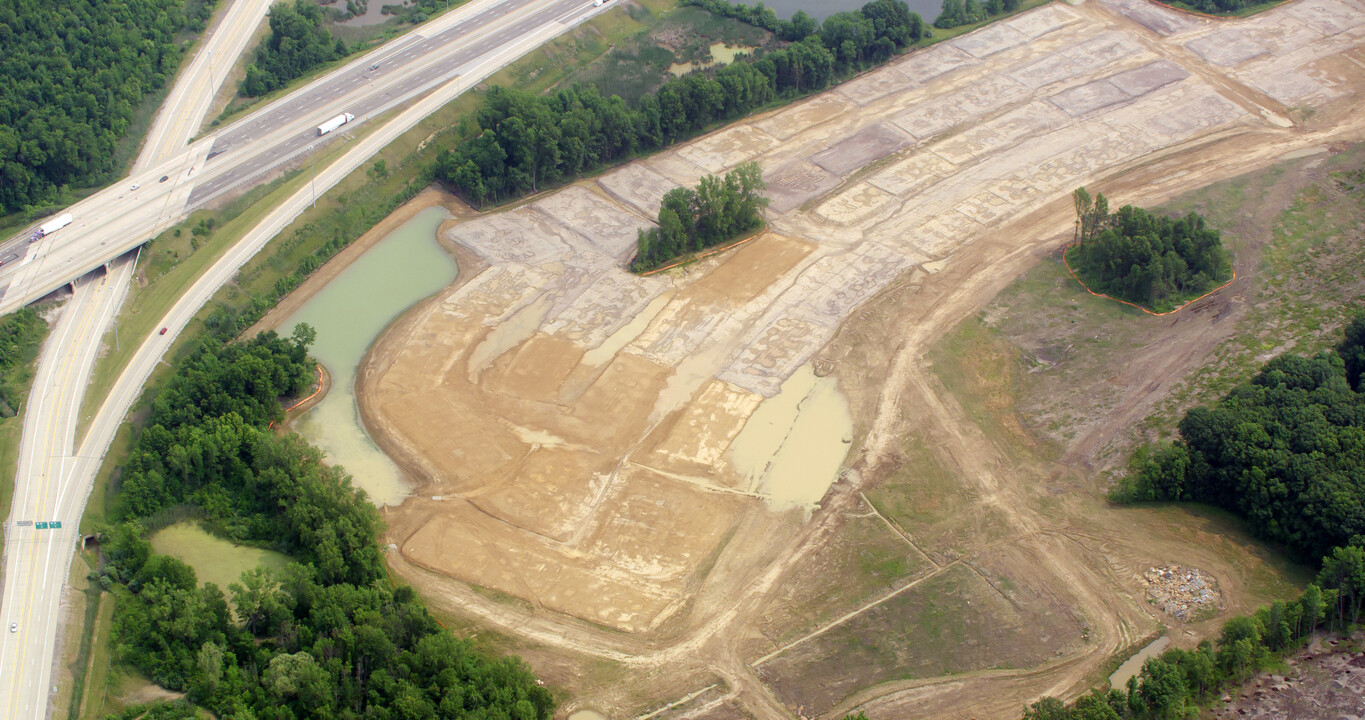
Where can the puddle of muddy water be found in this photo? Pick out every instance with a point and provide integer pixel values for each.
(793, 445)
(721, 54)
(603, 353)
(348, 314)
(1133, 665)
(506, 335)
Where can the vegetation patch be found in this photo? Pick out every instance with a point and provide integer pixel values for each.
(297, 43)
(74, 74)
(1156, 262)
(690, 221)
(1285, 450)
(328, 637)
(525, 143)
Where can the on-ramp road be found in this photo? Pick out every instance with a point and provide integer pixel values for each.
(36, 565)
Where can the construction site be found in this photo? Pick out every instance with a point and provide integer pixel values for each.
(739, 488)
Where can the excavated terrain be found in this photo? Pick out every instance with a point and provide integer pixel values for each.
(667, 477)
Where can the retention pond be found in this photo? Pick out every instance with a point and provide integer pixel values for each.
(348, 314)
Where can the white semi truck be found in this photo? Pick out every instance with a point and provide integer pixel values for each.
(335, 123)
(53, 225)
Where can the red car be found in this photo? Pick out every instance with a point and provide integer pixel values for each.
(163, 331)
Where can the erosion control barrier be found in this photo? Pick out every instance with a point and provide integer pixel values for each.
(706, 254)
(1188, 303)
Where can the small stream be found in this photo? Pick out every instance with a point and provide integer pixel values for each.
(348, 315)
(1133, 665)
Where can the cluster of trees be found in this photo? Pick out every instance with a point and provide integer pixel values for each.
(20, 335)
(1144, 258)
(74, 73)
(966, 12)
(328, 637)
(298, 42)
(1285, 450)
(887, 18)
(690, 220)
(1177, 682)
(1217, 7)
(525, 142)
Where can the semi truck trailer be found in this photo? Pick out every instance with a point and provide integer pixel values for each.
(53, 225)
(335, 123)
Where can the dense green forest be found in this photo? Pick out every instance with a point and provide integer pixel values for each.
(74, 72)
(21, 333)
(297, 43)
(1151, 260)
(691, 220)
(526, 142)
(327, 638)
(1286, 451)
(966, 12)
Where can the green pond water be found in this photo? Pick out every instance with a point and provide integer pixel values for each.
(214, 559)
(348, 314)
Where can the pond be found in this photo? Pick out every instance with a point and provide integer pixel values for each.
(821, 9)
(721, 54)
(214, 559)
(348, 314)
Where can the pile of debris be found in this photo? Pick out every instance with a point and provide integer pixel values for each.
(1185, 593)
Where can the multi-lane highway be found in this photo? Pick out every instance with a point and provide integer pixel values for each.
(121, 217)
(192, 95)
(37, 557)
(55, 481)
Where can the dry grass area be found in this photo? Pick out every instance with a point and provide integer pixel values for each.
(791, 479)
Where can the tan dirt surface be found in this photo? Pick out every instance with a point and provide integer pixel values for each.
(569, 426)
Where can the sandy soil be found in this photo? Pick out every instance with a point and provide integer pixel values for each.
(569, 426)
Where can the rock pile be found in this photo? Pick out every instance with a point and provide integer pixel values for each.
(1185, 593)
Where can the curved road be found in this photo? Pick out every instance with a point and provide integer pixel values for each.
(54, 482)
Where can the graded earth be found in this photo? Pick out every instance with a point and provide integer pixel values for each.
(669, 475)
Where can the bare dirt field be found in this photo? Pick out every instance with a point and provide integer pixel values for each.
(772, 484)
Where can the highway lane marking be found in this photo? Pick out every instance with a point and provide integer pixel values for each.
(46, 440)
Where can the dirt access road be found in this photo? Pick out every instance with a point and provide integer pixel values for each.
(631, 477)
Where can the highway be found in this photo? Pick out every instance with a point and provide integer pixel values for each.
(37, 559)
(192, 95)
(53, 481)
(119, 218)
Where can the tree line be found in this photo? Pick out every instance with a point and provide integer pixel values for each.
(1144, 258)
(21, 333)
(328, 637)
(1285, 451)
(1177, 682)
(297, 43)
(526, 142)
(691, 220)
(75, 72)
(967, 12)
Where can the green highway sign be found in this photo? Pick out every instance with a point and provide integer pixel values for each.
(55, 525)
(41, 526)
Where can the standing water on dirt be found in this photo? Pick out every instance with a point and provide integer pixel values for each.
(793, 445)
(348, 314)
(1133, 665)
